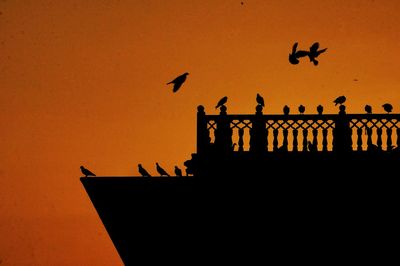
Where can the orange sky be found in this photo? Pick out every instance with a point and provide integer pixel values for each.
(83, 83)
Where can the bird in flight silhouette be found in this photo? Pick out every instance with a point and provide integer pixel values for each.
(178, 172)
(86, 172)
(143, 171)
(295, 55)
(387, 107)
(320, 109)
(161, 171)
(178, 81)
(314, 53)
(340, 100)
(368, 109)
(286, 110)
(260, 100)
(302, 109)
(221, 102)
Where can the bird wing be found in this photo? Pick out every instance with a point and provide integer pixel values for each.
(177, 86)
(294, 48)
(314, 47)
(320, 52)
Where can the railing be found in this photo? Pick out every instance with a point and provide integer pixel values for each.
(294, 133)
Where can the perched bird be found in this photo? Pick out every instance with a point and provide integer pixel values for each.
(260, 100)
(178, 172)
(387, 107)
(314, 53)
(222, 102)
(286, 110)
(161, 171)
(302, 109)
(178, 81)
(320, 109)
(368, 109)
(340, 100)
(295, 55)
(143, 171)
(86, 172)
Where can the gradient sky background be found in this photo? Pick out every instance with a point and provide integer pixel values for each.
(83, 83)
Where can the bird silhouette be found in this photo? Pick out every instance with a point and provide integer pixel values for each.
(314, 53)
(260, 100)
(295, 55)
(340, 100)
(286, 110)
(387, 107)
(221, 102)
(368, 109)
(161, 171)
(178, 81)
(86, 172)
(178, 172)
(302, 109)
(143, 171)
(320, 109)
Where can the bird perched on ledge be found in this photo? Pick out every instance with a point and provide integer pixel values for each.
(161, 171)
(320, 109)
(286, 110)
(86, 172)
(387, 107)
(178, 81)
(340, 100)
(143, 171)
(221, 102)
(178, 172)
(368, 109)
(302, 109)
(260, 100)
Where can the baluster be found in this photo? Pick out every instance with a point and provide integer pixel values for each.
(389, 139)
(266, 139)
(398, 137)
(240, 141)
(369, 136)
(285, 139)
(305, 133)
(203, 137)
(325, 139)
(275, 142)
(379, 140)
(315, 140)
(359, 139)
(295, 142)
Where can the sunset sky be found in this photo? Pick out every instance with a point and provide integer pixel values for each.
(84, 83)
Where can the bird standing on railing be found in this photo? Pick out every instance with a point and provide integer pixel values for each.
(161, 171)
(143, 171)
(286, 110)
(302, 109)
(178, 81)
(86, 172)
(260, 100)
(387, 107)
(340, 100)
(314, 53)
(368, 109)
(221, 102)
(320, 109)
(178, 172)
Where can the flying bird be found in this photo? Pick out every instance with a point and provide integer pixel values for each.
(320, 109)
(340, 100)
(221, 102)
(260, 100)
(143, 171)
(387, 107)
(302, 109)
(86, 172)
(178, 81)
(178, 172)
(314, 53)
(368, 109)
(161, 171)
(286, 110)
(295, 55)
